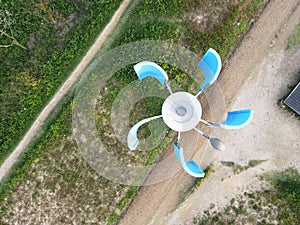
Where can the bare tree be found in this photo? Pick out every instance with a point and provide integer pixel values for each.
(6, 21)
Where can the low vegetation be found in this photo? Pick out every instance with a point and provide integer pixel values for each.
(45, 41)
(239, 168)
(52, 183)
(193, 186)
(277, 203)
(294, 40)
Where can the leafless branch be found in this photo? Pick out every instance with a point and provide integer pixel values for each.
(6, 21)
(14, 41)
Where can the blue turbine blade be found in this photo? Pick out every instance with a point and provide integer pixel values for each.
(189, 166)
(150, 69)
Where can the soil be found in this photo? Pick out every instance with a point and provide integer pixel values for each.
(256, 76)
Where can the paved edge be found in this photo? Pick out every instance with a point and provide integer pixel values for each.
(75, 75)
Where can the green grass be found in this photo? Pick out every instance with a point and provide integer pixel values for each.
(294, 40)
(286, 195)
(193, 186)
(238, 168)
(115, 217)
(226, 35)
(254, 162)
(60, 128)
(56, 36)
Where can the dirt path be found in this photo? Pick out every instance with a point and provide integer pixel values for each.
(252, 78)
(273, 136)
(37, 124)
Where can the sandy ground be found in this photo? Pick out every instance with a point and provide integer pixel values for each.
(256, 77)
(40, 120)
(272, 136)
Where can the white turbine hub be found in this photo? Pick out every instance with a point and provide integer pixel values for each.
(181, 111)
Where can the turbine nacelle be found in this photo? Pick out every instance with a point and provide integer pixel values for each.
(182, 112)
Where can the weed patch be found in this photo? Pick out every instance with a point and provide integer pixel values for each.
(193, 186)
(238, 168)
(294, 40)
(56, 36)
(279, 204)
